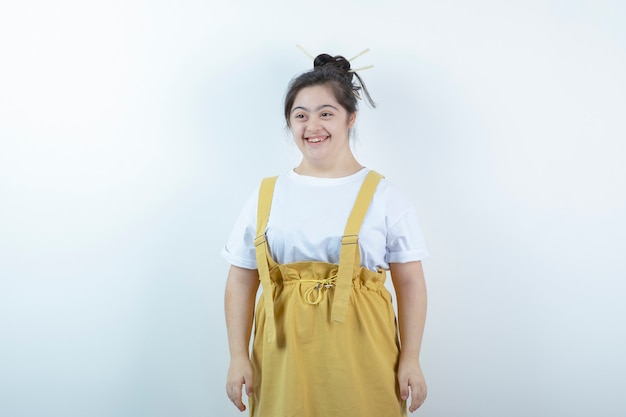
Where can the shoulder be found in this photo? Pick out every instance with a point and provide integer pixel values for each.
(390, 192)
(392, 200)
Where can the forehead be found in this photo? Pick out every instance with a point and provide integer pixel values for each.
(314, 96)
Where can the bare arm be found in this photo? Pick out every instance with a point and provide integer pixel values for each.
(241, 288)
(410, 287)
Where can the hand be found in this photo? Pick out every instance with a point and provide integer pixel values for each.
(410, 376)
(239, 374)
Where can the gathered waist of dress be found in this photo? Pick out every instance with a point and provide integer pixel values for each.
(322, 272)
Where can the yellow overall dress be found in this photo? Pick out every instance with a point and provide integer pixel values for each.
(325, 335)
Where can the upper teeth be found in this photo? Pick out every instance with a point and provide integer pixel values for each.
(315, 139)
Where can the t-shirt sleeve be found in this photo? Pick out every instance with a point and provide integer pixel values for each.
(405, 240)
(239, 250)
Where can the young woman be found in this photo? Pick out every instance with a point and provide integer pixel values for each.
(320, 240)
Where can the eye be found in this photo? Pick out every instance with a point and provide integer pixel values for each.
(299, 116)
(326, 114)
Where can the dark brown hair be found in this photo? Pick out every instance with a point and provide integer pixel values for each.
(334, 72)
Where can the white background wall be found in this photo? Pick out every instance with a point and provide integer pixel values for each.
(131, 132)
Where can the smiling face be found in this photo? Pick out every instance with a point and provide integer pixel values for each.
(320, 127)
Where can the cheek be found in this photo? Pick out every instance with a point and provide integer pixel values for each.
(296, 131)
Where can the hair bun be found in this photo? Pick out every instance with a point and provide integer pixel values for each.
(337, 63)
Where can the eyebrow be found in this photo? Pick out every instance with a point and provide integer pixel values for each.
(318, 109)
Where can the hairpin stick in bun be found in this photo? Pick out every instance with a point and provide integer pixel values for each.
(363, 52)
(361, 69)
(305, 52)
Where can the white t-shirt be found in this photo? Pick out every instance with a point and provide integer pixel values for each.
(308, 217)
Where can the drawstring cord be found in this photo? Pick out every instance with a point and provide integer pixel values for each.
(325, 283)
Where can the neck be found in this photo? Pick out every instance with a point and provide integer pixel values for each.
(328, 171)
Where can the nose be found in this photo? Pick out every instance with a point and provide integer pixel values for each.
(313, 126)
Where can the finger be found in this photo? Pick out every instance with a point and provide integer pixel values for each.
(248, 380)
(418, 395)
(404, 387)
(234, 394)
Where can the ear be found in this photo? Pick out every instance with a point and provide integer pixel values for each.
(351, 120)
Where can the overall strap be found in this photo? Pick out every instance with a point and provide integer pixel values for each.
(349, 257)
(262, 253)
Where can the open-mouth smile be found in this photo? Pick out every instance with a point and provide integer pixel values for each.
(316, 139)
